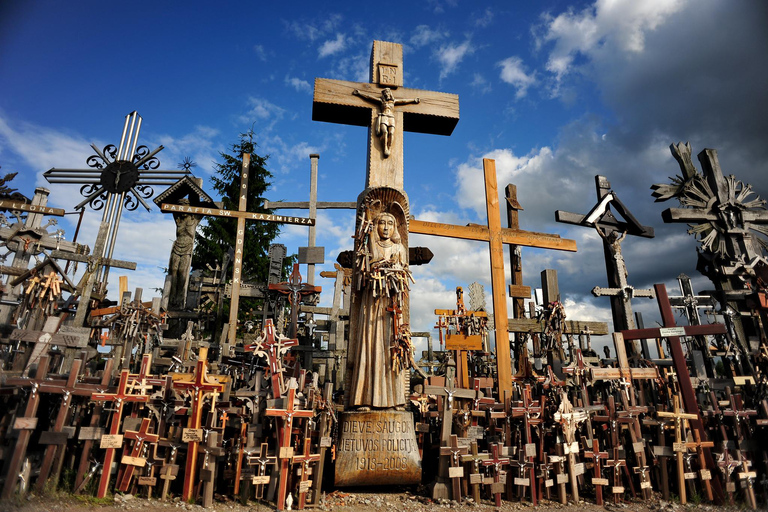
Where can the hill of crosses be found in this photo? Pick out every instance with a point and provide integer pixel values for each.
(107, 392)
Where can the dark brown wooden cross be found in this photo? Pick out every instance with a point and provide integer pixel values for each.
(261, 461)
(455, 469)
(532, 413)
(120, 398)
(616, 463)
(354, 103)
(496, 463)
(496, 236)
(672, 332)
(241, 214)
(296, 291)
(285, 450)
(198, 386)
(598, 481)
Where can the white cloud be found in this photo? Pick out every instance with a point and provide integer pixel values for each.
(199, 145)
(298, 84)
(484, 19)
(424, 35)
(260, 109)
(333, 46)
(260, 52)
(480, 84)
(451, 55)
(513, 73)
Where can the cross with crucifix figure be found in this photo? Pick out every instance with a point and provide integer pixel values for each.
(261, 461)
(241, 214)
(532, 413)
(113, 439)
(455, 469)
(678, 418)
(134, 459)
(616, 464)
(496, 462)
(120, 177)
(296, 292)
(613, 231)
(272, 346)
(285, 450)
(198, 386)
(304, 461)
(388, 109)
(598, 481)
(496, 236)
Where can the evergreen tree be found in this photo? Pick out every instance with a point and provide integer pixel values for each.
(214, 238)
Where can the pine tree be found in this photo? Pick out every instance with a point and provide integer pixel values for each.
(215, 237)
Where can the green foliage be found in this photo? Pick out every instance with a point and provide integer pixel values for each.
(217, 235)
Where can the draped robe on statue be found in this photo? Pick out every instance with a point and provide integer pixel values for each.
(373, 382)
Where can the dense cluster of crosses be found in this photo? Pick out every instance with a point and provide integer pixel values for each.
(98, 398)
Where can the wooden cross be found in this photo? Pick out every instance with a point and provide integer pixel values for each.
(295, 290)
(496, 463)
(455, 470)
(678, 417)
(739, 415)
(241, 214)
(120, 398)
(134, 460)
(262, 460)
(672, 332)
(476, 459)
(285, 450)
(56, 438)
(381, 105)
(532, 413)
(496, 236)
(705, 475)
(273, 347)
(51, 334)
(200, 384)
(598, 481)
(612, 231)
(304, 460)
(616, 463)
(624, 372)
(25, 425)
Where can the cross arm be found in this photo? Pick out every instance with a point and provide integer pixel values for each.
(571, 326)
(334, 101)
(508, 236)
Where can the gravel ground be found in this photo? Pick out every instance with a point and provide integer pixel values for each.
(342, 502)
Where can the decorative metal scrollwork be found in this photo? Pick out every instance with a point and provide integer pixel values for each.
(151, 163)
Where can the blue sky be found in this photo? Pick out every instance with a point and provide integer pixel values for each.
(555, 91)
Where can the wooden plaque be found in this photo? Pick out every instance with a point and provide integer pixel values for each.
(475, 478)
(131, 424)
(90, 433)
(730, 486)
(456, 472)
(497, 488)
(111, 441)
(689, 476)
(464, 442)
(617, 490)
(578, 469)
(148, 480)
(475, 432)
(422, 427)
(599, 481)
(503, 477)
(549, 482)
(705, 474)
(192, 435)
(326, 442)
(260, 480)
(665, 332)
(50, 437)
(530, 450)
(645, 485)
(25, 424)
(463, 342)
(304, 486)
(570, 447)
(679, 447)
(487, 480)
(139, 462)
(206, 475)
(522, 481)
(562, 478)
(638, 446)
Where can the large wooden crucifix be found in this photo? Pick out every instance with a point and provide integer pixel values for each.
(613, 230)
(241, 214)
(496, 236)
(387, 109)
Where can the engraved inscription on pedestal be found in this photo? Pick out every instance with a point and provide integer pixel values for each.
(377, 448)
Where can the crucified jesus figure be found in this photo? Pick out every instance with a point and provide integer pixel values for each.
(385, 126)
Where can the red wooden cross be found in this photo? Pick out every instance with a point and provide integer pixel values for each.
(305, 459)
(285, 451)
(598, 481)
(119, 398)
(140, 437)
(198, 387)
(616, 463)
(273, 347)
(496, 462)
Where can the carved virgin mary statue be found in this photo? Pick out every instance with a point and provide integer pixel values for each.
(379, 347)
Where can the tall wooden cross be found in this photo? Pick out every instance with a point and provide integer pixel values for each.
(387, 109)
(496, 236)
(241, 214)
(612, 230)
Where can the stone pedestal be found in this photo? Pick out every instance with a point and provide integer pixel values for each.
(377, 448)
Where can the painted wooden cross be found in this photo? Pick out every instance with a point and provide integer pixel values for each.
(241, 214)
(285, 450)
(532, 413)
(475, 458)
(384, 107)
(496, 236)
(198, 386)
(678, 418)
(616, 464)
(296, 291)
(261, 461)
(134, 459)
(113, 439)
(272, 347)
